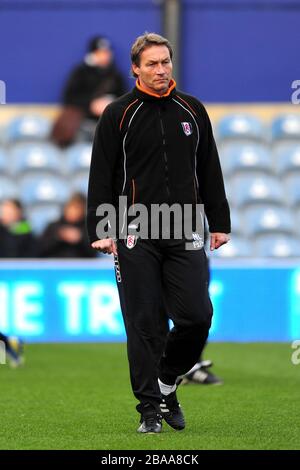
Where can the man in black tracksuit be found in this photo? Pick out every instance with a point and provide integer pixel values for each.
(155, 145)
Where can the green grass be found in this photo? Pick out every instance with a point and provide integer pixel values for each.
(78, 396)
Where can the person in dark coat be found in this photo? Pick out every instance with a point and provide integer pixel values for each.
(66, 237)
(16, 237)
(12, 348)
(90, 87)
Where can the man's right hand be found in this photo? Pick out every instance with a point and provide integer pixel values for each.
(107, 245)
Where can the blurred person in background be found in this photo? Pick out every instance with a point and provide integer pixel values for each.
(16, 241)
(14, 349)
(200, 372)
(91, 86)
(66, 237)
(16, 236)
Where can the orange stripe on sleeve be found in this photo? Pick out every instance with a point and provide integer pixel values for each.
(124, 114)
(185, 102)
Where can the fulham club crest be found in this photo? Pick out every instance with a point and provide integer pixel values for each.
(131, 241)
(187, 128)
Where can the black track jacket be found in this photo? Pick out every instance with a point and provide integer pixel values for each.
(156, 150)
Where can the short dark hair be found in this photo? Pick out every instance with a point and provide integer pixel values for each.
(143, 42)
(77, 198)
(99, 42)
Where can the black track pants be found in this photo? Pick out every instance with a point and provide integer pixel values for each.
(152, 272)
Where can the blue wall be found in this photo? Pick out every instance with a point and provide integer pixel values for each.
(40, 41)
(237, 50)
(240, 51)
(78, 301)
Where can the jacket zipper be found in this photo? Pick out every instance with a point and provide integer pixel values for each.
(165, 154)
(133, 191)
(195, 189)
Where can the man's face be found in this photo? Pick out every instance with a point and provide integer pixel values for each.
(10, 213)
(74, 212)
(155, 69)
(103, 57)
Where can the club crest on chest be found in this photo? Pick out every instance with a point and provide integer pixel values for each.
(187, 128)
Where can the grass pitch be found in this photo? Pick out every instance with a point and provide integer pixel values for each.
(78, 396)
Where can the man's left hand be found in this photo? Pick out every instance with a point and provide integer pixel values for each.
(218, 239)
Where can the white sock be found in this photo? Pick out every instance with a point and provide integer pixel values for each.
(166, 389)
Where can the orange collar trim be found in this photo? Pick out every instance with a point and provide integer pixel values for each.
(172, 85)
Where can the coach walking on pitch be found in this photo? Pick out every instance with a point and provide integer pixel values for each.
(155, 146)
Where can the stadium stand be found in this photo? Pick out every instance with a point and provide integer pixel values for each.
(236, 222)
(8, 188)
(265, 219)
(287, 158)
(260, 188)
(239, 126)
(286, 127)
(259, 150)
(3, 162)
(78, 158)
(2, 135)
(27, 127)
(80, 182)
(277, 246)
(43, 187)
(292, 187)
(40, 215)
(30, 157)
(237, 248)
(239, 157)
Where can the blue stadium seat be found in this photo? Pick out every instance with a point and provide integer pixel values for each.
(287, 157)
(292, 189)
(286, 126)
(266, 219)
(4, 162)
(2, 134)
(78, 157)
(248, 189)
(44, 188)
(277, 246)
(28, 127)
(38, 156)
(237, 247)
(80, 182)
(236, 222)
(40, 215)
(237, 157)
(241, 126)
(8, 188)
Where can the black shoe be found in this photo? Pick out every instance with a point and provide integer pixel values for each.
(171, 411)
(150, 421)
(201, 375)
